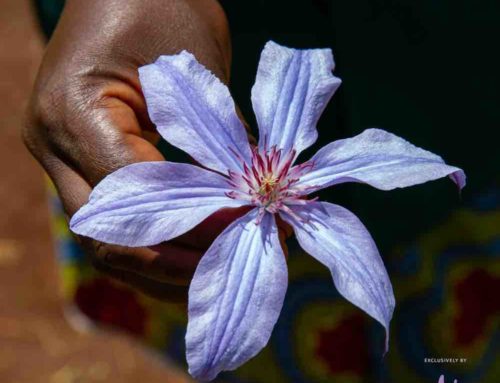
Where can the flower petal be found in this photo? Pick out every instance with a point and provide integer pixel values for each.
(150, 202)
(290, 93)
(378, 158)
(337, 238)
(235, 297)
(194, 111)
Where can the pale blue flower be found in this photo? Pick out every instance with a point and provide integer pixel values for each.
(238, 288)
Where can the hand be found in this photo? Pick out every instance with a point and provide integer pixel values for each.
(88, 117)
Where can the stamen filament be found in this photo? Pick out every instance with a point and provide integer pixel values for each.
(269, 181)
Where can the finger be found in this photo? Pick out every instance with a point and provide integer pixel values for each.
(152, 137)
(202, 235)
(173, 264)
(106, 131)
(163, 291)
(113, 144)
(168, 262)
(72, 188)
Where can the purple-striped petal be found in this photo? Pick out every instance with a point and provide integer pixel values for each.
(378, 158)
(290, 93)
(194, 111)
(150, 202)
(337, 238)
(235, 297)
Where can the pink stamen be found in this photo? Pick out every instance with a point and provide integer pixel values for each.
(268, 181)
(246, 170)
(249, 183)
(260, 161)
(255, 174)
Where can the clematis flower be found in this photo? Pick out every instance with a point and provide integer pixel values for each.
(238, 289)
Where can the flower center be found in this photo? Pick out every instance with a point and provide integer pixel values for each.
(268, 185)
(269, 180)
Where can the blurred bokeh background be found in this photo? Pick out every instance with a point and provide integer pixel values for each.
(37, 342)
(427, 71)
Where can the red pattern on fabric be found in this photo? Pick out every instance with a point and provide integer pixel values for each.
(477, 297)
(344, 348)
(110, 304)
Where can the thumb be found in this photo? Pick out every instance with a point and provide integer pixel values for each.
(109, 134)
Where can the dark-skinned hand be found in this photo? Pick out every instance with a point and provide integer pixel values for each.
(87, 118)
